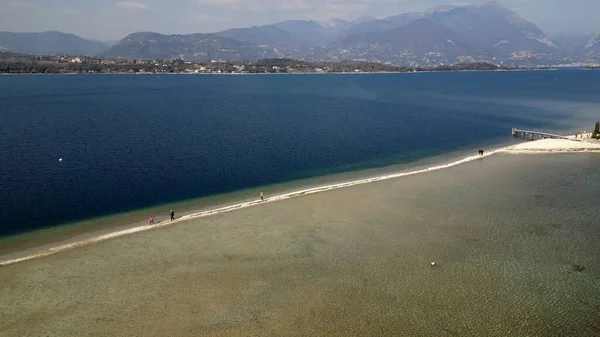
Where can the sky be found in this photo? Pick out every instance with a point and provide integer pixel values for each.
(114, 19)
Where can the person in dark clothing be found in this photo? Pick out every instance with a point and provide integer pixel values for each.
(172, 215)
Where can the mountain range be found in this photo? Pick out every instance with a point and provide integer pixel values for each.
(441, 35)
(49, 43)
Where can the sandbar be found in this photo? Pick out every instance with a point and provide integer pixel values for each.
(349, 262)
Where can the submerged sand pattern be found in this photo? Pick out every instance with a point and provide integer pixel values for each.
(350, 262)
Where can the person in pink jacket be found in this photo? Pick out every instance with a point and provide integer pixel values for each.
(151, 220)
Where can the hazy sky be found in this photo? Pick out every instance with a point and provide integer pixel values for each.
(112, 19)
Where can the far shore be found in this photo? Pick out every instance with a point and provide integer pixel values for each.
(291, 73)
(538, 146)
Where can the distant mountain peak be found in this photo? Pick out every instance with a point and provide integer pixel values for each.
(365, 19)
(439, 9)
(489, 3)
(593, 40)
(333, 22)
(50, 42)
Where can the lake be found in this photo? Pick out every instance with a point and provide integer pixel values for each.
(130, 142)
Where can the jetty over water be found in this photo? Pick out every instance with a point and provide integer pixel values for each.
(531, 135)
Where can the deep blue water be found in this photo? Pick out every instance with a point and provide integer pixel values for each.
(133, 141)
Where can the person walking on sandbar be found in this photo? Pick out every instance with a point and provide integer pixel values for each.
(262, 196)
(172, 215)
(151, 220)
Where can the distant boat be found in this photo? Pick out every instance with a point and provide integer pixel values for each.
(59, 159)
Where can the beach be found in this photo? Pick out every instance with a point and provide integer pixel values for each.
(570, 144)
(505, 232)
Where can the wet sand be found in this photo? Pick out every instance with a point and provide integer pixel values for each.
(505, 233)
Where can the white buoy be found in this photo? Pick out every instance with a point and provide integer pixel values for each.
(432, 264)
(59, 159)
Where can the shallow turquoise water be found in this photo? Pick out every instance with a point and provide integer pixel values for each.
(504, 231)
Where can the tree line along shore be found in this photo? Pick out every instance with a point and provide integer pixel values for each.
(61, 64)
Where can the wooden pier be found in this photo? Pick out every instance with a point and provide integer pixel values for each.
(532, 135)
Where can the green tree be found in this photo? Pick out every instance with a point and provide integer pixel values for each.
(596, 130)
